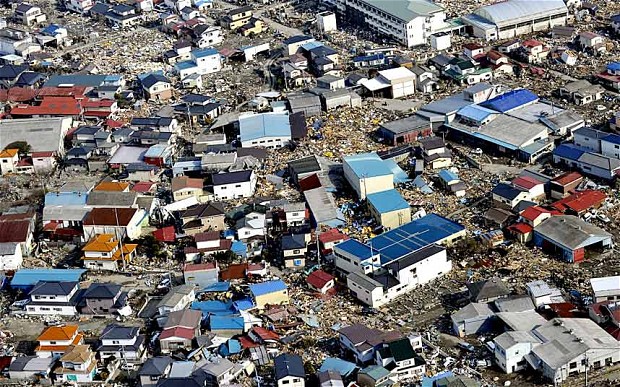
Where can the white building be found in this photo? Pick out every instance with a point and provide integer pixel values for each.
(295, 213)
(11, 257)
(542, 294)
(203, 61)
(234, 185)
(400, 353)
(398, 82)
(606, 288)
(53, 298)
(211, 36)
(367, 173)
(79, 6)
(251, 225)
(29, 14)
(265, 130)
(177, 298)
(122, 342)
(505, 20)
(411, 23)
(511, 348)
(326, 21)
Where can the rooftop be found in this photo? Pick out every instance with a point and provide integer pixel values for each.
(387, 201)
(571, 232)
(262, 125)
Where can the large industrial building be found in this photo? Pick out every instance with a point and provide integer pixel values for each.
(505, 20)
(408, 22)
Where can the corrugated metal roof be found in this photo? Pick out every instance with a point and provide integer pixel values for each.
(264, 125)
(29, 277)
(387, 201)
(509, 12)
(366, 165)
(406, 10)
(475, 112)
(510, 100)
(267, 287)
(568, 152)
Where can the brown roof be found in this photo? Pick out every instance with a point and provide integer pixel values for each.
(207, 236)
(182, 182)
(77, 354)
(109, 216)
(234, 271)
(14, 230)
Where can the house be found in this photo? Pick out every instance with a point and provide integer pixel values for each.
(119, 222)
(507, 196)
(373, 376)
(535, 188)
(563, 185)
(43, 162)
(435, 153)
(8, 161)
(294, 250)
(201, 275)
(153, 370)
(295, 214)
(363, 342)
(535, 215)
(328, 239)
(543, 294)
(487, 290)
(589, 163)
(79, 6)
(606, 288)
(269, 293)
(26, 279)
(388, 208)
(320, 281)
(581, 92)
(568, 236)
(105, 252)
(204, 217)
(157, 87)
(202, 61)
(591, 41)
(425, 79)
(367, 173)
(11, 257)
(180, 330)
(579, 202)
(54, 298)
(55, 340)
(78, 365)
(292, 44)
(289, 370)
(474, 318)
(400, 358)
(184, 187)
(29, 14)
(269, 130)
(28, 368)
(512, 347)
(330, 379)
(236, 18)
(122, 342)
(233, 185)
(176, 299)
(209, 242)
(404, 130)
(451, 183)
(18, 228)
(103, 299)
(396, 83)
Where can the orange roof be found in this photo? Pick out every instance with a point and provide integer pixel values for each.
(79, 338)
(66, 332)
(9, 153)
(112, 186)
(104, 243)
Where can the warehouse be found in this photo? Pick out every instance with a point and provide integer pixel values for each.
(405, 130)
(42, 134)
(589, 163)
(367, 174)
(389, 208)
(570, 236)
(505, 20)
(268, 130)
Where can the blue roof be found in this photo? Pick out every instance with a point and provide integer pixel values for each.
(343, 367)
(226, 322)
(231, 347)
(400, 176)
(568, 151)
(475, 112)
(613, 66)
(613, 138)
(65, 199)
(366, 165)
(51, 30)
(239, 248)
(29, 277)
(387, 201)
(430, 381)
(204, 52)
(413, 236)
(355, 248)
(156, 150)
(310, 45)
(217, 287)
(297, 39)
(447, 175)
(244, 304)
(263, 125)
(364, 58)
(510, 100)
(213, 307)
(267, 287)
(185, 65)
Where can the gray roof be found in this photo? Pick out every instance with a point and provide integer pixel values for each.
(405, 10)
(521, 321)
(111, 199)
(471, 311)
(42, 134)
(155, 366)
(600, 161)
(8, 248)
(511, 338)
(364, 281)
(288, 364)
(102, 291)
(31, 363)
(571, 232)
(516, 11)
(405, 124)
(491, 288)
(53, 288)
(514, 304)
(296, 206)
(218, 368)
(175, 295)
(187, 318)
(119, 332)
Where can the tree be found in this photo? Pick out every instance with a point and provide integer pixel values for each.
(226, 257)
(22, 146)
(148, 245)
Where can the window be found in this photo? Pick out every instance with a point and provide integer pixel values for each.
(238, 186)
(296, 251)
(572, 365)
(52, 342)
(286, 381)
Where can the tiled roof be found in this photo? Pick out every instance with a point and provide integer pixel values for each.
(110, 216)
(111, 186)
(66, 332)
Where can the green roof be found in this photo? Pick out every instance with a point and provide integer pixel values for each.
(401, 349)
(375, 372)
(406, 10)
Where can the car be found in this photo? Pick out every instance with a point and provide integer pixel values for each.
(466, 346)
(368, 311)
(476, 151)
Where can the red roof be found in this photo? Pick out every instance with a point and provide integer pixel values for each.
(43, 154)
(568, 178)
(580, 201)
(319, 278)
(60, 106)
(526, 182)
(234, 271)
(97, 103)
(14, 231)
(246, 342)
(265, 334)
(199, 266)
(531, 43)
(97, 113)
(18, 94)
(332, 235)
(310, 182)
(521, 228)
(207, 236)
(72, 91)
(165, 234)
(185, 333)
(142, 186)
(532, 213)
(114, 124)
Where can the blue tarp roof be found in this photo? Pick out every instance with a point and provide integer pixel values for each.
(231, 347)
(400, 176)
(343, 367)
(568, 152)
(244, 304)
(430, 381)
(267, 287)
(475, 112)
(447, 175)
(29, 277)
(387, 201)
(510, 100)
(225, 322)
(613, 66)
(217, 287)
(65, 199)
(213, 308)
(263, 125)
(366, 165)
(239, 248)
